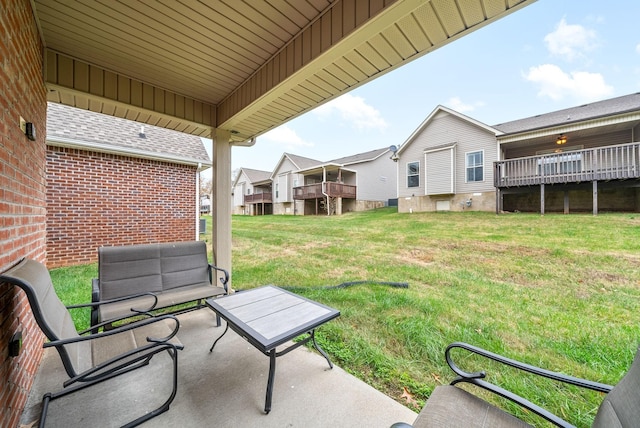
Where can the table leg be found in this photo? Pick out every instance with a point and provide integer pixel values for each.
(315, 344)
(272, 373)
(223, 333)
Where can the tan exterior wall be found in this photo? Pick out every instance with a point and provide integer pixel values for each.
(96, 199)
(288, 208)
(485, 201)
(22, 196)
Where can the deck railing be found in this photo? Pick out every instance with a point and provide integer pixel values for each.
(618, 162)
(258, 198)
(334, 190)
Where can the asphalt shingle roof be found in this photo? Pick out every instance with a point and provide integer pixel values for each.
(256, 175)
(74, 124)
(610, 107)
(360, 157)
(303, 163)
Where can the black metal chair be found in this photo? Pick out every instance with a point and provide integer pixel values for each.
(91, 359)
(450, 406)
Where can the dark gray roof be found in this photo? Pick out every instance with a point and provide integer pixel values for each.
(301, 162)
(256, 175)
(610, 107)
(360, 157)
(69, 125)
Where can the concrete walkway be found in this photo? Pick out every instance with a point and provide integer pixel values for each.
(225, 388)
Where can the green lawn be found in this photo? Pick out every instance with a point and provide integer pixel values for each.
(559, 291)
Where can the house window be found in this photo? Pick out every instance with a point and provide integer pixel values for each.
(277, 187)
(413, 174)
(475, 166)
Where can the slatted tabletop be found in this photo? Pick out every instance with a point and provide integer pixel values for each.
(270, 316)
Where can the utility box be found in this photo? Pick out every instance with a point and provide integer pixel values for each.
(203, 225)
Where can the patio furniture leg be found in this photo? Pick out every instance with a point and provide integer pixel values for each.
(272, 373)
(216, 341)
(315, 344)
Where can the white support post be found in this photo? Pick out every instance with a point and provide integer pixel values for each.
(221, 202)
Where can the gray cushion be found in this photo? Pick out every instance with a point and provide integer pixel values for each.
(450, 406)
(621, 407)
(184, 263)
(127, 270)
(176, 296)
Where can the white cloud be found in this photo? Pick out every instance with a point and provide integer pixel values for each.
(556, 84)
(355, 111)
(285, 137)
(458, 105)
(571, 41)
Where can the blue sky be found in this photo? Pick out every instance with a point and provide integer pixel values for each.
(548, 56)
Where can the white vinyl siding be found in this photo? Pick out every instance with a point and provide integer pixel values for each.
(440, 171)
(440, 175)
(238, 194)
(375, 180)
(282, 188)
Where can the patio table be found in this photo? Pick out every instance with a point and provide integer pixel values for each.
(270, 316)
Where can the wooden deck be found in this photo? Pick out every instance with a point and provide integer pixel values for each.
(331, 189)
(620, 162)
(258, 198)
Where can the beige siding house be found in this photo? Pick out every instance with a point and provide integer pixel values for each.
(447, 164)
(354, 183)
(584, 158)
(285, 177)
(252, 192)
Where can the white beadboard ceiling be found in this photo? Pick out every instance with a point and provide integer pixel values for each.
(245, 66)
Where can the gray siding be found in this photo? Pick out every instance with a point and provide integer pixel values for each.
(440, 171)
(446, 129)
(376, 180)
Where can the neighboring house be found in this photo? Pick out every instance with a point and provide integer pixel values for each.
(584, 158)
(285, 177)
(303, 186)
(446, 165)
(111, 181)
(354, 183)
(252, 192)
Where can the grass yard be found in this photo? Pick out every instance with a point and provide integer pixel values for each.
(558, 291)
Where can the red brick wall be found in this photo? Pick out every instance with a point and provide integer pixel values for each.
(22, 195)
(96, 199)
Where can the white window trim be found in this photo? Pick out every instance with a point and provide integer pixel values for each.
(407, 175)
(466, 167)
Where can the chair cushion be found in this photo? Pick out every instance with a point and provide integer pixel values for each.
(450, 406)
(621, 407)
(108, 347)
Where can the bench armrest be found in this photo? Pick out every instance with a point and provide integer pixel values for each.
(475, 378)
(95, 304)
(224, 279)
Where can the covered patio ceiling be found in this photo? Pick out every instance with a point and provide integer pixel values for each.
(240, 66)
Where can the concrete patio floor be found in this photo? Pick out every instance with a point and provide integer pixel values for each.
(225, 388)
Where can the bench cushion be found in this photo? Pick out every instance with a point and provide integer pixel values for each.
(183, 263)
(128, 270)
(176, 296)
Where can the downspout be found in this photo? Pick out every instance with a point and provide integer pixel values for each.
(324, 181)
